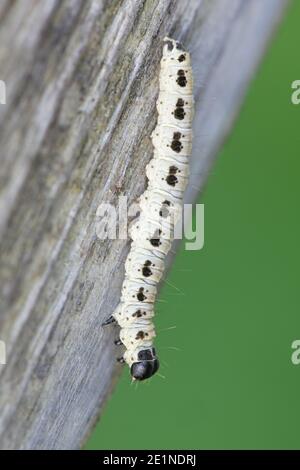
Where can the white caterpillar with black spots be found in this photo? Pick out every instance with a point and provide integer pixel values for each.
(160, 206)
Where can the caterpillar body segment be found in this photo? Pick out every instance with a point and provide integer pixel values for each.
(143, 264)
(153, 239)
(166, 175)
(160, 207)
(176, 111)
(133, 313)
(170, 141)
(134, 290)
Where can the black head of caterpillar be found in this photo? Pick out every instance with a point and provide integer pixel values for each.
(146, 366)
(181, 79)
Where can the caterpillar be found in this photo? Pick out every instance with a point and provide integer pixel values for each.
(160, 207)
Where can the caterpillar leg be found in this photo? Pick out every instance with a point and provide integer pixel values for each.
(110, 319)
(118, 342)
(121, 360)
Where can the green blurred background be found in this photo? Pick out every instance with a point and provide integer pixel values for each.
(231, 384)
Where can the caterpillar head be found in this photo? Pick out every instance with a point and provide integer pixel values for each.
(146, 366)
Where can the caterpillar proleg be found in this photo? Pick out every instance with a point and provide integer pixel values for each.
(160, 206)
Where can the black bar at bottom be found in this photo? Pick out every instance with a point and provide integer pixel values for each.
(136, 458)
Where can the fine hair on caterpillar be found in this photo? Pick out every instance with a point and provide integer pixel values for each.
(160, 205)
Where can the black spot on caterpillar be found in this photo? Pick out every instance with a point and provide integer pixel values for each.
(146, 269)
(181, 80)
(172, 180)
(176, 145)
(140, 295)
(155, 239)
(137, 314)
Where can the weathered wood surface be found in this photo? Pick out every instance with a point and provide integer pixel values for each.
(82, 79)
